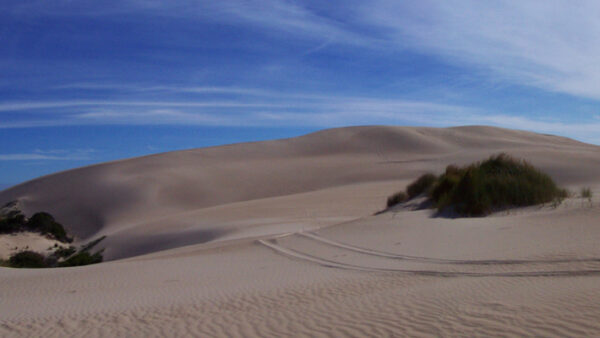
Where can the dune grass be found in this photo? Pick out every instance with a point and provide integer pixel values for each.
(423, 184)
(586, 193)
(397, 198)
(497, 183)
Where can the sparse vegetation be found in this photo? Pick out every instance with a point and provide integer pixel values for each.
(44, 223)
(90, 245)
(586, 193)
(12, 220)
(82, 258)
(422, 185)
(497, 183)
(64, 252)
(397, 198)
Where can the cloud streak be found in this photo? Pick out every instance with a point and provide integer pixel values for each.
(52, 155)
(551, 45)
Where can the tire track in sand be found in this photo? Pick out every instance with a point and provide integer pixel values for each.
(294, 254)
(354, 248)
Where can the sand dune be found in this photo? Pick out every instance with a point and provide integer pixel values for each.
(159, 201)
(279, 238)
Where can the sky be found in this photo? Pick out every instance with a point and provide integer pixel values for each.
(84, 82)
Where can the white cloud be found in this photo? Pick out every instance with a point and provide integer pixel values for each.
(49, 155)
(18, 106)
(549, 44)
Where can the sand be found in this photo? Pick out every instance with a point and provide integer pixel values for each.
(13, 243)
(279, 238)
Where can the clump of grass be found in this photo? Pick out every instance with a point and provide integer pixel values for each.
(497, 183)
(421, 185)
(586, 193)
(64, 252)
(397, 198)
(27, 259)
(82, 258)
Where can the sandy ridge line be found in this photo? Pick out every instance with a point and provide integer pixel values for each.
(440, 260)
(328, 263)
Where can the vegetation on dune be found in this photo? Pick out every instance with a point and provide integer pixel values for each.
(13, 221)
(27, 259)
(397, 198)
(586, 193)
(497, 183)
(45, 224)
(82, 258)
(61, 257)
(64, 252)
(41, 222)
(422, 185)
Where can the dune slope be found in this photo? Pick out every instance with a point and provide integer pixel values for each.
(160, 201)
(279, 238)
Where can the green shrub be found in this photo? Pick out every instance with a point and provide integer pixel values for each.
(27, 259)
(496, 183)
(64, 252)
(82, 258)
(397, 198)
(14, 221)
(422, 185)
(45, 223)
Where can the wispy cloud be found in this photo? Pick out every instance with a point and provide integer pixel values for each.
(49, 155)
(17, 106)
(281, 109)
(552, 45)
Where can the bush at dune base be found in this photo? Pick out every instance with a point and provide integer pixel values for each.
(478, 189)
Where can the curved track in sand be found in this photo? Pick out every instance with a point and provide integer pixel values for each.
(390, 255)
(429, 263)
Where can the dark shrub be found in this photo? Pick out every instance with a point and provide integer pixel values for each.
(586, 193)
(397, 198)
(496, 183)
(12, 222)
(422, 185)
(442, 190)
(64, 252)
(45, 223)
(82, 258)
(27, 259)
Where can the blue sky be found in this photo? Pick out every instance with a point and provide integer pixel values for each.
(83, 81)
